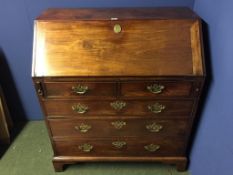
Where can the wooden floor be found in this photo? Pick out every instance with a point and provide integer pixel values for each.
(31, 153)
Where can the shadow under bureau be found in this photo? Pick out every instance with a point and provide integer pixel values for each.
(119, 84)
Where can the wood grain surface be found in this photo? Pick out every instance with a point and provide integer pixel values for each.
(92, 48)
(118, 53)
(134, 127)
(134, 147)
(132, 108)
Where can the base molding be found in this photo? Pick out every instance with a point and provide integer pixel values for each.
(60, 161)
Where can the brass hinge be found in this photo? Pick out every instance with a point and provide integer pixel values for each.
(39, 88)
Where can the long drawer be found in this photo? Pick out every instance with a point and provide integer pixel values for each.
(118, 107)
(121, 147)
(117, 127)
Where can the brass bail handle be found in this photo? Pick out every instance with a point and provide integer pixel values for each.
(118, 105)
(83, 128)
(154, 127)
(86, 147)
(119, 144)
(155, 88)
(118, 124)
(156, 108)
(80, 89)
(152, 147)
(79, 108)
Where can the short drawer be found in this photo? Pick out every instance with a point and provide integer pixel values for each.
(121, 147)
(118, 107)
(156, 89)
(79, 89)
(118, 127)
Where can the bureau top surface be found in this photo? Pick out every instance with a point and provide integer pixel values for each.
(117, 42)
(119, 13)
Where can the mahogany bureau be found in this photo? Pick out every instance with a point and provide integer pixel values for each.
(119, 84)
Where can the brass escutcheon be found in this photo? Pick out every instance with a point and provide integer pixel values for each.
(83, 128)
(86, 147)
(151, 147)
(154, 127)
(80, 89)
(118, 144)
(156, 108)
(79, 108)
(155, 88)
(117, 28)
(118, 124)
(118, 105)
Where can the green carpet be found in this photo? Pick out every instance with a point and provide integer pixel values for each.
(31, 153)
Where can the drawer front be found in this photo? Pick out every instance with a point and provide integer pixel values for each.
(79, 89)
(156, 89)
(117, 127)
(121, 147)
(118, 107)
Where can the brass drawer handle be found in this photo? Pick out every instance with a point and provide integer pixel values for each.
(118, 144)
(156, 108)
(151, 147)
(117, 28)
(154, 127)
(83, 128)
(79, 108)
(118, 105)
(118, 124)
(155, 88)
(80, 89)
(85, 147)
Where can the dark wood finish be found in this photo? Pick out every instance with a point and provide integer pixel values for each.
(155, 46)
(133, 107)
(58, 166)
(171, 89)
(97, 52)
(134, 127)
(5, 120)
(133, 147)
(162, 159)
(64, 89)
(181, 165)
